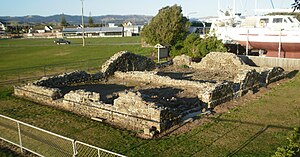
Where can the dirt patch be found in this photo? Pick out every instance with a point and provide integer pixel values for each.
(203, 75)
(161, 95)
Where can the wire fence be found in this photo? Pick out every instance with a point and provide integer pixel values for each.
(44, 143)
(18, 75)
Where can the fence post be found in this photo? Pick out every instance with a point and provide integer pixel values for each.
(74, 148)
(20, 139)
(98, 152)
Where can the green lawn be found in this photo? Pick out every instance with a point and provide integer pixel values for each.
(34, 57)
(255, 128)
(33, 52)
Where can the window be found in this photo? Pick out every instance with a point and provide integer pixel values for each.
(290, 20)
(277, 20)
(264, 20)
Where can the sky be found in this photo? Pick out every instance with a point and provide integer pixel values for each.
(191, 8)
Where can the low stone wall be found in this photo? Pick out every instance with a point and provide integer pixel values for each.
(152, 77)
(49, 93)
(81, 96)
(128, 111)
(246, 80)
(209, 93)
(127, 61)
(182, 60)
(64, 79)
(217, 94)
(220, 61)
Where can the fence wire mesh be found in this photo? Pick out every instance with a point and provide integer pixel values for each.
(9, 130)
(45, 143)
(86, 150)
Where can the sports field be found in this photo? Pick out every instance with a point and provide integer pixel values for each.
(24, 58)
(256, 127)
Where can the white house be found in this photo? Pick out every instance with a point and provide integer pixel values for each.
(131, 30)
(2, 27)
(93, 32)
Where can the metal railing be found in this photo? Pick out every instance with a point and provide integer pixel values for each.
(45, 143)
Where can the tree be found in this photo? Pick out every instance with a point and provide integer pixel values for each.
(168, 27)
(90, 21)
(63, 21)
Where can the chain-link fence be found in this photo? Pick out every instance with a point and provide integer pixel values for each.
(45, 143)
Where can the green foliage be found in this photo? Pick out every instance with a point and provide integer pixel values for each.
(90, 21)
(5, 93)
(293, 148)
(197, 47)
(4, 152)
(63, 21)
(168, 27)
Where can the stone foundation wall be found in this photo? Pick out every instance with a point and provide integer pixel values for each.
(49, 93)
(127, 61)
(64, 79)
(208, 93)
(128, 111)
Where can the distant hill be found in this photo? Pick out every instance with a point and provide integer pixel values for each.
(76, 19)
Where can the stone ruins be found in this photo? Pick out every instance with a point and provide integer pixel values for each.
(133, 92)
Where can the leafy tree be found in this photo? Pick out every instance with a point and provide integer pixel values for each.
(63, 21)
(168, 27)
(90, 21)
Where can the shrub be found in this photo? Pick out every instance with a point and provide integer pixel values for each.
(197, 47)
(293, 148)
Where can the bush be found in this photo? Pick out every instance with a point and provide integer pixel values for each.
(197, 47)
(293, 148)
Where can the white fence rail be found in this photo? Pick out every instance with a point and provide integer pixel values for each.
(44, 143)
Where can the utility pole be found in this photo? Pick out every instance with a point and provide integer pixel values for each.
(83, 42)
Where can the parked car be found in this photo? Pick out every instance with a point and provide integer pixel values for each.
(61, 41)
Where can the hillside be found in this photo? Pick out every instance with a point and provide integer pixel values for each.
(76, 19)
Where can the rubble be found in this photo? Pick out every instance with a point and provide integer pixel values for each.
(126, 61)
(157, 99)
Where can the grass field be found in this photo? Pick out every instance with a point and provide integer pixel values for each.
(31, 57)
(255, 128)
(21, 53)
